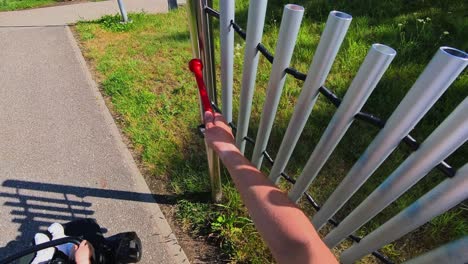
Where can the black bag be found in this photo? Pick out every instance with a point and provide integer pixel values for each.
(120, 248)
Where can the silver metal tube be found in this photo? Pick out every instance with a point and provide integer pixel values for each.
(330, 42)
(192, 6)
(215, 174)
(210, 79)
(444, 196)
(443, 69)
(123, 12)
(290, 24)
(372, 69)
(202, 48)
(207, 48)
(226, 15)
(193, 27)
(455, 252)
(255, 23)
(448, 136)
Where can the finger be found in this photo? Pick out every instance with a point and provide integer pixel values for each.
(209, 118)
(219, 118)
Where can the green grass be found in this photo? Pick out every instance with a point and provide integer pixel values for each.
(9, 5)
(142, 67)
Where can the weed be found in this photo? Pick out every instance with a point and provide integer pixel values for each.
(196, 216)
(114, 23)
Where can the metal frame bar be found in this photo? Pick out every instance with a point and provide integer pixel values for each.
(202, 47)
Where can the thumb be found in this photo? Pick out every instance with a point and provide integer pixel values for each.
(209, 117)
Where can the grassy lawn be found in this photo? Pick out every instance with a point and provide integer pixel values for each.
(142, 68)
(10, 5)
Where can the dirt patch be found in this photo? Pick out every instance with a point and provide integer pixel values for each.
(197, 249)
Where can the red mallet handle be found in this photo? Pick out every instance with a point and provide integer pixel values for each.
(196, 67)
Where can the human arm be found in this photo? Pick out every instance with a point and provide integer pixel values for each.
(286, 230)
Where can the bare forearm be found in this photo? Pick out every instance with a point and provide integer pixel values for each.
(286, 230)
(284, 227)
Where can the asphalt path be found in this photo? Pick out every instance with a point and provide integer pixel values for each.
(68, 14)
(61, 154)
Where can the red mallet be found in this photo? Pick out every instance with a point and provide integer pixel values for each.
(196, 67)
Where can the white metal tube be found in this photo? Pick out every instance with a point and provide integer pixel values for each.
(123, 11)
(255, 23)
(372, 69)
(444, 196)
(443, 69)
(290, 24)
(450, 135)
(455, 252)
(226, 15)
(330, 42)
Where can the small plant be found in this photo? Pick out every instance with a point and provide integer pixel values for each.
(449, 224)
(114, 23)
(195, 216)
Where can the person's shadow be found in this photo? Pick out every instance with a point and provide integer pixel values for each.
(36, 205)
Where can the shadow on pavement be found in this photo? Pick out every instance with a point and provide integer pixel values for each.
(36, 205)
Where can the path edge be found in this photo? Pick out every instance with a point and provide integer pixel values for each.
(174, 249)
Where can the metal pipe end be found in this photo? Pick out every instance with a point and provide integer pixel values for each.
(341, 15)
(384, 49)
(456, 53)
(294, 7)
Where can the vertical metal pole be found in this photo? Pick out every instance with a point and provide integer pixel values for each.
(202, 47)
(215, 174)
(455, 252)
(193, 27)
(255, 23)
(372, 69)
(443, 69)
(205, 34)
(290, 24)
(444, 196)
(330, 42)
(449, 136)
(226, 15)
(123, 12)
(172, 4)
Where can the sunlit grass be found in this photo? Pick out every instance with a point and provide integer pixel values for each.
(143, 68)
(8, 5)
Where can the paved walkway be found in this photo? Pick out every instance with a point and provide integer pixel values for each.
(66, 14)
(61, 154)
